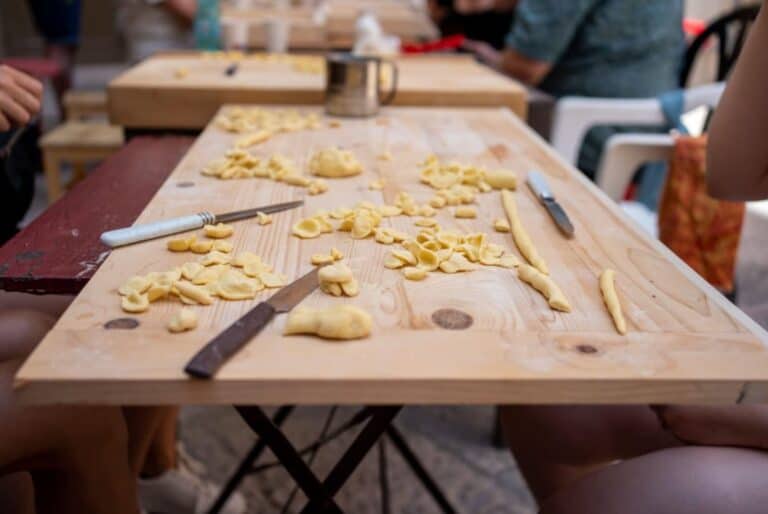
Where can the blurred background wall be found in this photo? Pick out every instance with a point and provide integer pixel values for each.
(102, 43)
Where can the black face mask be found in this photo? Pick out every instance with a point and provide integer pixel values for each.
(19, 158)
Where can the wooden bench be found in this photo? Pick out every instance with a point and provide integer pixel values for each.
(60, 250)
(81, 105)
(79, 144)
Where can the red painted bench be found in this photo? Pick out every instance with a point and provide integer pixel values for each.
(60, 250)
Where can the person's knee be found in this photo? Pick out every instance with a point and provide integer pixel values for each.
(724, 479)
(584, 435)
(547, 431)
(688, 480)
(21, 331)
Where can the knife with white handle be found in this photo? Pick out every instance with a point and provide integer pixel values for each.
(540, 188)
(146, 231)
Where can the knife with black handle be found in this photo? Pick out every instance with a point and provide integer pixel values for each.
(221, 348)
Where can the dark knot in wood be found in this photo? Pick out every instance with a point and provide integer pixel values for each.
(121, 324)
(186, 183)
(452, 319)
(587, 349)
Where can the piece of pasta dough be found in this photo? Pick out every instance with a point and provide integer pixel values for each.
(520, 235)
(608, 288)
(334, 163)
(337, 280)
(218, 231)
(184, 320)
(338, 322)
(135, 302)
(545, 285)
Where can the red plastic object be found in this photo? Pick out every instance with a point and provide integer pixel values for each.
(440, 45)
(37, 67)
(693, 27)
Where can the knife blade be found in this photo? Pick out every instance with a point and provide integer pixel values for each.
(541, 190)
(221, 348)
(146, 231)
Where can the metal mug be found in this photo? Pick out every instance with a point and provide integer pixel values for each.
(353, 84)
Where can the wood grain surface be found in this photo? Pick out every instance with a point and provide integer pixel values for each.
(150, 95)
(686, 343)
(60, 250)
(338, 31)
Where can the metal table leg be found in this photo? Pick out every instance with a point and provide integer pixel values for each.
(419, 470)
(246, 464)
(320, 494)
(380, 420)
(289, 457)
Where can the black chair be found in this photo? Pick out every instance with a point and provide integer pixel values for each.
(731, 31)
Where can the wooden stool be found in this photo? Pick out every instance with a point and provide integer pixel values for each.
(81, 105)
(77, 143)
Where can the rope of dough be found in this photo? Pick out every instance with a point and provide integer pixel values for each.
(608, 288)
(521, 237)
(545, 286)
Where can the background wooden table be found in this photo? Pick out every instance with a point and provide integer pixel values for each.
(338, 31)
(149, 95)
(686, 343)
(60, 250)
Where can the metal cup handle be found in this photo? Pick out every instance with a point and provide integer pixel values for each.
(393, 89)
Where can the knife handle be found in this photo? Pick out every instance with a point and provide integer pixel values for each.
(221, 348)
(128, 235)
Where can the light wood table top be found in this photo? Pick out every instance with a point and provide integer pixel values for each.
(686, 343)
(151, 96)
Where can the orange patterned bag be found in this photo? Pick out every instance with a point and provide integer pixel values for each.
(702, 231)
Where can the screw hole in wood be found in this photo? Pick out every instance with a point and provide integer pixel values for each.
(121, 324)
(452, 319)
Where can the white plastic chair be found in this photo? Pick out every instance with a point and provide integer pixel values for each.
(623, 153)
(574, 116)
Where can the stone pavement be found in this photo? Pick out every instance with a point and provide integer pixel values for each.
(453, 442)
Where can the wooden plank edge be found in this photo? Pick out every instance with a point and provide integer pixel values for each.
(45, 285)
(410, 392)
(712, 294)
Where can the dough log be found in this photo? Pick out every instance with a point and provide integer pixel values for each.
(608, 288)
(520, 235)
(545, 286)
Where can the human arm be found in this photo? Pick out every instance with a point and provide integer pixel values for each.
(475, 6)
(540, 34)
(737, 156)
(20, 97)
(733, 425)
(510, 61)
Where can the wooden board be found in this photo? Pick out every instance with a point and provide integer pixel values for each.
(150, 96)
(686, 343)
(60, 250)
(338, 31)
(304, 34)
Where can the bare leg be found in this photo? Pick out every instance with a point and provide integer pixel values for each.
(52, 304)
(20, 332)
(16, 494)
(556, 445)
(77, 455)
(152, 439)
(690, 480)
(162, 452)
